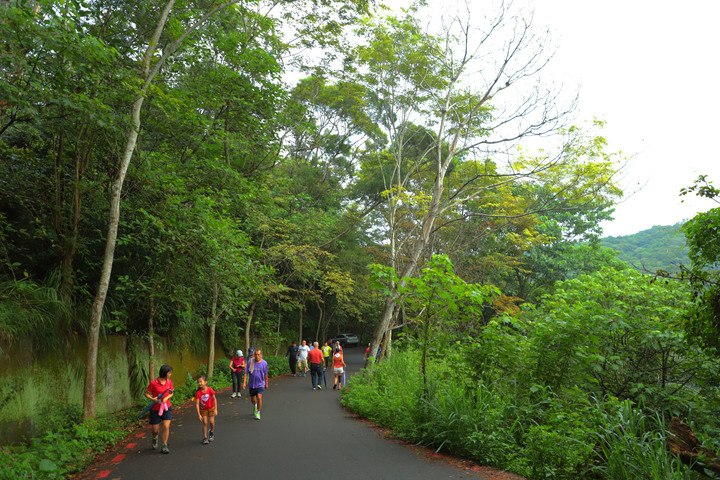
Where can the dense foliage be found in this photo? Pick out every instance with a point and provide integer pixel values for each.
(256, 172)
(599, 366)
(252, 207)
(703, 234)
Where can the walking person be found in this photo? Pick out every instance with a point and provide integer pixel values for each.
(206, 406)
(316, 363)
(327, 350)
(257, 373)
(291, 355)
(302, 354)
(160, 391)
(237, 365)
(338, 366)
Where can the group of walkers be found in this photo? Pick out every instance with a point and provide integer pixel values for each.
(320, 360)
(253, 374)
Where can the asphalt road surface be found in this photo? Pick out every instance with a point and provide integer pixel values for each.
(303, 434)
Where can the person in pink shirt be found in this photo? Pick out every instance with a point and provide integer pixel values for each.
(237, 365)
(160, 391)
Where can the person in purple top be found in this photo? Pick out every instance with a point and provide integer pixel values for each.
(257, 373)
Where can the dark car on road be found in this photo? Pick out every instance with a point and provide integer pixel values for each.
(346, 340)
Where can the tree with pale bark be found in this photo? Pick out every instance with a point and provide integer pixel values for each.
(451, 103)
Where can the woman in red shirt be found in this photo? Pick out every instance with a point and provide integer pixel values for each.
(160, 391)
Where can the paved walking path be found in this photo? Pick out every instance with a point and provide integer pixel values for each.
(303, 434)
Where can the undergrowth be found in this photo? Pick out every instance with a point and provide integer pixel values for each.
(528, 430)
(67, 445)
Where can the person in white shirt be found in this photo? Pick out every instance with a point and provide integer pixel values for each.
(302, 358)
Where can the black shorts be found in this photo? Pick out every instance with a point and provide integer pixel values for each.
(155, 418)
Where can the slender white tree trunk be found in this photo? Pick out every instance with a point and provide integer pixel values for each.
(248, 324)
(114, 220)
(213, 323)
(149, 70)
(151, 338)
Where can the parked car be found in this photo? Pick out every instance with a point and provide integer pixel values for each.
(346, 340)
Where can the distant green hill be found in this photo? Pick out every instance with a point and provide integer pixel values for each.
(659, 248)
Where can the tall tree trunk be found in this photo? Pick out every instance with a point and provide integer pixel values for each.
(387, 342)
(213, 323)
(65, 284)
(383, 326)
(150, 69)
(300, 329)
(248, 324)
(411, 267)
(114, 219)
(320, 320)
(151, 337)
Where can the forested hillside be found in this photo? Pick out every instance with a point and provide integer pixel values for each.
(254, 173)
(659, 248)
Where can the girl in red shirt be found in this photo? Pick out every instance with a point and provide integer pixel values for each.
(206, 406)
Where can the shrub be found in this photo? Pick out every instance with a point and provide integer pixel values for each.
(277, 365)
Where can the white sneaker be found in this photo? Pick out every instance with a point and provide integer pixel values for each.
(234, 395)
(239, 394)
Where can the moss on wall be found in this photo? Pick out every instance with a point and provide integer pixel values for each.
(35, 382)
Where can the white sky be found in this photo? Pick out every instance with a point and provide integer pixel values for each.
(650, 70)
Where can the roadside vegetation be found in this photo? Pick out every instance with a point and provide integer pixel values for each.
(581, 386)
(67, 445)
(228, 174)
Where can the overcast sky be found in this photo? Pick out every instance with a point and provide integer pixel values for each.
(650, 70)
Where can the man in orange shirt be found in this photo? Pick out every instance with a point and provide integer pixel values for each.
(315, 357)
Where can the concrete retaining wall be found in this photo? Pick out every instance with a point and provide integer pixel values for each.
(32, 382)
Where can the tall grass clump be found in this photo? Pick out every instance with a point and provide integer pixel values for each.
(389, 395)
(32, 311)
(477, 422)
(633, 445)
(531, 431)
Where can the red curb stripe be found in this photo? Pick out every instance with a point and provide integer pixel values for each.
(103, 474)
(118, 458)
(130, 445)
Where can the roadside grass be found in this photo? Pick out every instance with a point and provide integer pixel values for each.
(530, 430)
